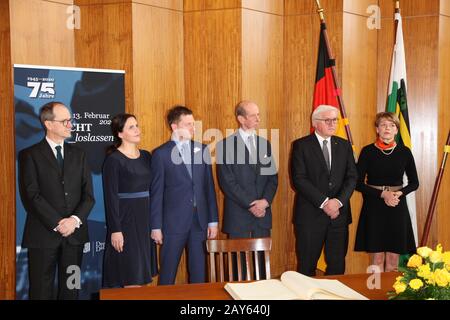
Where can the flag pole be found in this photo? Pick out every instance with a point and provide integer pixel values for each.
(437, 185)
(320, 11)
(397, 10)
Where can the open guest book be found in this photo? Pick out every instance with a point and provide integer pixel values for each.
(293, 285)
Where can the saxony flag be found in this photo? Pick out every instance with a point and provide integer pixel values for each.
(398, 104)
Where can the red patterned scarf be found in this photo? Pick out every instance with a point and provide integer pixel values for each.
(380, 144)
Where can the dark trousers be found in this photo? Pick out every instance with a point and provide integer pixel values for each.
(311, 239)
(255, 233)
(42, 264)
(172, 249)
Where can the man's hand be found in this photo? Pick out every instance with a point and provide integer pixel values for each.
(331, 208)
(67, 226)
(212, 232)
(157, 236)
(257, 212)
(258, 207)
(334, 215)
(332, 205)
(261, 204)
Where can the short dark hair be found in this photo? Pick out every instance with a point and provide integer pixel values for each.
(174, 114)
(46, 112)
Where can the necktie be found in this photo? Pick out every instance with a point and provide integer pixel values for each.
(186, 154)
(252, 149)
(326, 154)
(59, 157)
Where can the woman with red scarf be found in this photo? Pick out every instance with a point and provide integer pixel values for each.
(384, 228)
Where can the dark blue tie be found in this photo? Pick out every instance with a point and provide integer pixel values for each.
(186, 153)
(59, 157)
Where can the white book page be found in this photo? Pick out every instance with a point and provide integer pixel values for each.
(260, 290)
(310, 288)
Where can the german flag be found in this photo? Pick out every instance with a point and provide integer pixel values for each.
(325, 91)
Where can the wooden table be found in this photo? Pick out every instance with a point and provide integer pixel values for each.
(215, 291)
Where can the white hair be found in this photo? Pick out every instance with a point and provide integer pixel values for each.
(321, 109)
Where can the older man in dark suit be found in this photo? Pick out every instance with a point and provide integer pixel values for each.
(248, 177)
(324, 176)
(56, 189)
(183, 199)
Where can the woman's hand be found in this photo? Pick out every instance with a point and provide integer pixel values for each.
(391, 198)
(117, 241)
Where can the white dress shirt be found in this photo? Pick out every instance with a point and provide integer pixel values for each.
(53, 145)
(245, 135)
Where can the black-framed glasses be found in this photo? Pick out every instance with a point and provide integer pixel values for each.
(64, 122)
(329, 121)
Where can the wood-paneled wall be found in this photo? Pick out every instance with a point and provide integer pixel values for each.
(442, 215)
(7, 161)
(359, 83)
(104, 40)
(39, 33)
(262, 82)
(210, 54)
(158, 68)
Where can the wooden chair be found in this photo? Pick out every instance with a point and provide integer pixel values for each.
(251, 247)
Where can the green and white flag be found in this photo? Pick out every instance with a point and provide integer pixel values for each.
(398, 104)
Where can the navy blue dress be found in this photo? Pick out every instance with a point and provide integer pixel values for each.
(126, 184)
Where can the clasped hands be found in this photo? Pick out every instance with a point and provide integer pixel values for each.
(391, 198)
(331, 208)
(258, 208)
(67, 226)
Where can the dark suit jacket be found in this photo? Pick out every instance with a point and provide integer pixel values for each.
(242, 182)
(49, 195)
(314, 183)
(173, 190)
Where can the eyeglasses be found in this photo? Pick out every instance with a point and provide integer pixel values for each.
(385, 125)
(65, 122)
(329, 121)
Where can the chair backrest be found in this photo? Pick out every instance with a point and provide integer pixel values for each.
(250, 247)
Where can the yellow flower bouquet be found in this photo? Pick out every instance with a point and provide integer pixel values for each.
(426, 276)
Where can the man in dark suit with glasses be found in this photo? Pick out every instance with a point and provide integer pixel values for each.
(56, 190)
(324, 176)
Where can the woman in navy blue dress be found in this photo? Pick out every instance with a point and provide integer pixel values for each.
(130, 255)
